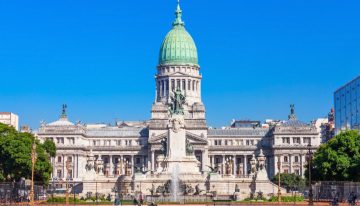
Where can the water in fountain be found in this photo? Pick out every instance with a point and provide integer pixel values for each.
(175, 182)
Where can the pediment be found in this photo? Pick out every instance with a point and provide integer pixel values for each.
(157, 139)
(196, 139)
(178, 74)
(193, 138)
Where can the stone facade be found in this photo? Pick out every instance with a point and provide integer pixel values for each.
(10, 119)
(141, 155)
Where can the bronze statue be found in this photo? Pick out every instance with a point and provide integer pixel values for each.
(177, 102)
(292, 114)
(164, 146)
(64, 107)
(189, 148)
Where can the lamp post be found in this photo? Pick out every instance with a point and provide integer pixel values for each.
(33, 160)
(279, 171)
(310, 186)
(114, 189)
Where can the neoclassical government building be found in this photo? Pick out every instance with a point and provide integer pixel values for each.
(128, 147)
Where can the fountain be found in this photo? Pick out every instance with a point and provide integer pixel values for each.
(175, 182)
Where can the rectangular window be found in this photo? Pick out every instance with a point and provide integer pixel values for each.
(286, 159)
(296, 140)
(59, 159)
(307, 140)
(59, 174)
(286, 140)
(183, 85)
(297, 172)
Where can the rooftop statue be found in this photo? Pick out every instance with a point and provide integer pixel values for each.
(177, 102)
(292, 115)
(63, 111)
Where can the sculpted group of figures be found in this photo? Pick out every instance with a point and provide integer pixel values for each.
(185, 189)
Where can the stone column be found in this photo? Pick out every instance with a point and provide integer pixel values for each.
(290, 164)
(275, 164)
(64, 172)
(153, 160)
(203, 160)
(121, 164)
(132, 164)
(111, 172)
(223, 165)
(160, 88)
(74, 166)
(234, 165)
(245, 165)
(301, 165)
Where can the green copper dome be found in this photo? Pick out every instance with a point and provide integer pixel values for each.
(178, 46)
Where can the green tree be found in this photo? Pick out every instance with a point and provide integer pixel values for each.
(290, 182)
(50, 147)
(15, 156)
(338, 159)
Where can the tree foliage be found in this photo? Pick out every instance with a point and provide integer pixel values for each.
(290, 182)
(15, 156)
(338, 159)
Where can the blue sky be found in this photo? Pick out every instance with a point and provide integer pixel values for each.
(99, 57)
